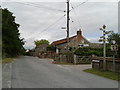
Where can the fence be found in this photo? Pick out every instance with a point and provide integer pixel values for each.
(64, 58)
(71, 58)
(97, 63)
(83, 59)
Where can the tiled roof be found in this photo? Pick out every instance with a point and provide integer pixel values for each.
(62, 41)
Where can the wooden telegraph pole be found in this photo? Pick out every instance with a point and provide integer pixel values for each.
(68, 30)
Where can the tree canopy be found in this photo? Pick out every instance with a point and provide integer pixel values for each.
(51, 48)
(87, 51)
(42, 41)
(116, 37)
(12, 44)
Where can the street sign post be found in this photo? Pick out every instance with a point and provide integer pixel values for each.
(114, 49)
(103, 39)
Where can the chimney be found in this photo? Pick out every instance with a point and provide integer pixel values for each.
(79, 32)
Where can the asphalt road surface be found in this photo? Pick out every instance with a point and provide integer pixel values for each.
(32, 72)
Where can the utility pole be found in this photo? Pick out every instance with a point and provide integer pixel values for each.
(67, 18)
(68, 29)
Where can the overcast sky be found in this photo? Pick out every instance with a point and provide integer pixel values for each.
(43, 20)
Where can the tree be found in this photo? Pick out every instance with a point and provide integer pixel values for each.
(51, 48)
(116, 37)
(87, 51)
(42, 41)
(12, 44)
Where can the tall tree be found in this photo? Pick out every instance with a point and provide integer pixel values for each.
(12, 44)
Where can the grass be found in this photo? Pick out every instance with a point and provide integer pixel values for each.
(106, 74)
(7, 60)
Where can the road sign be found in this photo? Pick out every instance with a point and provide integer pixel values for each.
(114, 47)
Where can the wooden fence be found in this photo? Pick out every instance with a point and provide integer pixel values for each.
(72, 59)
(97, 63)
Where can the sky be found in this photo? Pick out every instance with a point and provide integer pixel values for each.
(43, 20)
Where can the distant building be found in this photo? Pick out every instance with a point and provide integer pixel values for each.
(40, 49)
(75, 41)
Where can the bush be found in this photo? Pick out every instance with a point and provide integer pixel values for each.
(51, 48)
(87, 51)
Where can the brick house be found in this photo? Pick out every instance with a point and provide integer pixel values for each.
(74, 41)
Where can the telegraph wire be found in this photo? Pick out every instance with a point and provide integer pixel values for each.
(41, 6)
(52, 24)
(49, 25)
(73, 23)
(76, 16)
(79, 5)
(48, 7)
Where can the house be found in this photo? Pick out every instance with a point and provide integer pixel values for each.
(41, 49)
(74, 41)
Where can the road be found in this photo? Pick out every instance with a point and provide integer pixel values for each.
(32, 72)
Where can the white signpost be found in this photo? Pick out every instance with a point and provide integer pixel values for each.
(114, 48)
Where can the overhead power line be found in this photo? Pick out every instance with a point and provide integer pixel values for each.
(73, 23)
(53, 23)
(39, 6)
(47, 7)
(79, 5)
(77, 19)
(46, 29)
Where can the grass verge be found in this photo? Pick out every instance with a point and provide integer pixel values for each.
(106, 74)
(7, 60)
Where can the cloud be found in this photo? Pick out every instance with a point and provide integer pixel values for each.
(93, 40)
(89, 16)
